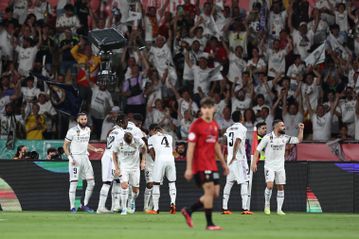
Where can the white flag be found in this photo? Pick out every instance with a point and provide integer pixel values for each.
(336, 149)
(317, 56)
(134, 16)
(215, 73)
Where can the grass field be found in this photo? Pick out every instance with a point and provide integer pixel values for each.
(51, 225)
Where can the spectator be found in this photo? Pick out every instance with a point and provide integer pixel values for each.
(347, 109)
(88, 68)
(51, 153)
(67, 63)
(68, 20)
(180, 151)
(20, 153)
(47, 110)
(321, 120)
(101, 103)
(10, 123)
(35, 124)
(224, 120)
(109, 122)
(27, 54)
(185, 123)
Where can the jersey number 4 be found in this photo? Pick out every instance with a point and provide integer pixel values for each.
(165, 142)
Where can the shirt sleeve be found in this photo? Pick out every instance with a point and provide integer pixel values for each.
(150, 142)
(263, 143)
(193, 134)
(292, 140)
(69, 136)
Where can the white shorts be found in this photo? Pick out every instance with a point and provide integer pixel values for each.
(131, 176)
(82, 170)
(107, 167)
(274, 176)
(164, 167)
(238, 171)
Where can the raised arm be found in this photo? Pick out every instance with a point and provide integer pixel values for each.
(310, 110)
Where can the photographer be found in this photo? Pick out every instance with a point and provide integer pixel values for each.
(20, 153)
(54, 154)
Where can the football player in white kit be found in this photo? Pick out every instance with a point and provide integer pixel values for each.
(160, 146)
(148, 203)
(76, 144)
(127, 165)
(134, 127)
(116, 133)
(274, 171)
(237, 163)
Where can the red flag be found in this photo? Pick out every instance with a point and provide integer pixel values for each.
(254, 141)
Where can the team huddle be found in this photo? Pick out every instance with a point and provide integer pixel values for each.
(128, 151)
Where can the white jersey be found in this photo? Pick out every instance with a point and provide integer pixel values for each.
(236, 131)
(275, 149)
(115, 136)
(79, 139)
(128, 155)
(134, 130)
(162, 145)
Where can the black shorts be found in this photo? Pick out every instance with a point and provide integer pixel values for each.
(205, 177)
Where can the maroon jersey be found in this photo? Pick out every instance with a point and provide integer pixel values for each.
(205, 135)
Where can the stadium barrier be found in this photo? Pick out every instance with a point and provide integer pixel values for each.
(311, 187)
(307, 151)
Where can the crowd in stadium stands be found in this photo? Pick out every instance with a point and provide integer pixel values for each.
(293, 59)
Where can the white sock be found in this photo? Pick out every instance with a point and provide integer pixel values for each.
(89, 190)
(103, 195)
(134, 197)
(280, 200)
(156, 197)
(267, 196)
(115, 193)
(244, 194)
(72, 194)
(226, 193)
(148, 195)
(124, 197)
(172, 192)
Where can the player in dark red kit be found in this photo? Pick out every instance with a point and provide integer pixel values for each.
(203, 148)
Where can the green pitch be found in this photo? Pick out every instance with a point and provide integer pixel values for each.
(52, 225)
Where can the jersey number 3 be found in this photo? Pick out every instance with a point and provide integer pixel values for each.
(230, 138)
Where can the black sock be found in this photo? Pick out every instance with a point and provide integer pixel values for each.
(208, 212)
(195, 207)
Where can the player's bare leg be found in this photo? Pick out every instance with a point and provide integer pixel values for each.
(280, 199)
(226, 195)
(267, 197)
(124, 197)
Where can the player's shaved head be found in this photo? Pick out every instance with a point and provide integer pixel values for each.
(122, 120)
(128, 137)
